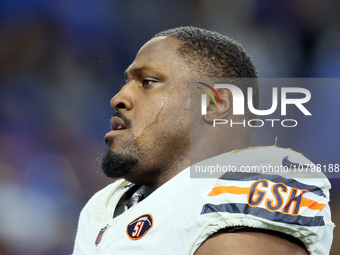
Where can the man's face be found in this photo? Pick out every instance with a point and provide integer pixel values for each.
(151, 130)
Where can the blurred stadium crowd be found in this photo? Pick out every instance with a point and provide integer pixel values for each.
(62, 61)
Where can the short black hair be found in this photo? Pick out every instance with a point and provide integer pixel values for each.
(213, 55)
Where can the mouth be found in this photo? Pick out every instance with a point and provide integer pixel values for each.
(117, 124)
(118, 127)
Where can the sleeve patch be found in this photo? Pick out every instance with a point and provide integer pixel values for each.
(239, 176)
(274, 197)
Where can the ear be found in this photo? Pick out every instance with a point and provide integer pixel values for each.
(218, 111)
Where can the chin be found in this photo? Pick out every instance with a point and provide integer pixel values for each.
(115, 165)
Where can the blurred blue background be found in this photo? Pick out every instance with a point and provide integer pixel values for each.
(62, 61)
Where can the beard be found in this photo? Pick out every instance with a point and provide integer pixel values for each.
(115, 165)
(142, 162)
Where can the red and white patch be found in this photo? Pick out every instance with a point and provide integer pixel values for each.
(100, 234)
(137, 228)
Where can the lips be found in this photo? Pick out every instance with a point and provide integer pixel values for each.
(117, 124)
(118, 127)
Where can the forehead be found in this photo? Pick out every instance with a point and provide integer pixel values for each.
(159, 54)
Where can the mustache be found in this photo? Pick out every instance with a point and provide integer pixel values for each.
(126, 121)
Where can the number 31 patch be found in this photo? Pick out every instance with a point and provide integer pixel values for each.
(139, 227)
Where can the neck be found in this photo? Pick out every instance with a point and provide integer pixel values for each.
(171, 172)
(152, 179)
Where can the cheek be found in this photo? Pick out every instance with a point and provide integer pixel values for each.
(147, 122)
(177, 119)
(172, 119)
(169, 114)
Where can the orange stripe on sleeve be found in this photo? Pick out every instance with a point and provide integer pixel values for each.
(228, 189)
(311, 204)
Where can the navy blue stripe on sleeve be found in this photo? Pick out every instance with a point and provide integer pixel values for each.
(265, 214)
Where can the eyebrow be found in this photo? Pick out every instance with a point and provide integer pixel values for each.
(136, 72)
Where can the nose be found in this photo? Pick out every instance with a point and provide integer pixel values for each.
(123, 99)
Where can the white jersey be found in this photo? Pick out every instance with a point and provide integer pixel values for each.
(182, 213)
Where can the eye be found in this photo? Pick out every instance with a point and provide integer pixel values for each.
(148, 81)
